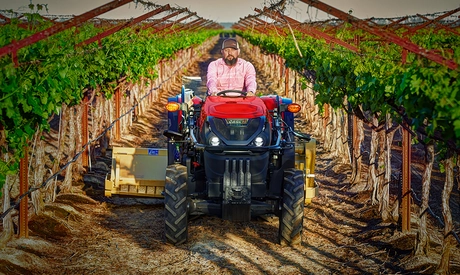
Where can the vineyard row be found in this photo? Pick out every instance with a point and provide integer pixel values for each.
(387, 150)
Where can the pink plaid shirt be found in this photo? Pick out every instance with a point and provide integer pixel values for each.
(240, 77)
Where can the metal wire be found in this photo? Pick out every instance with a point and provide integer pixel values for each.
(435, 216)
(430, 211)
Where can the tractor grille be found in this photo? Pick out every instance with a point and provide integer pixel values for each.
(236, 170)
(237, 181)
(232, 129)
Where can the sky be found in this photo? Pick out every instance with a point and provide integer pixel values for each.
(234, 10)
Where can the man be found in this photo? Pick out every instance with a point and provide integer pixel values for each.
(231, 72)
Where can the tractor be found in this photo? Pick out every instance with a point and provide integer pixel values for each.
(236, 157)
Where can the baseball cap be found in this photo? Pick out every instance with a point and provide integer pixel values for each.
(230, 43)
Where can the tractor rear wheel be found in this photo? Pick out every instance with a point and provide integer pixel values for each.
(291, 220)
(176, 214)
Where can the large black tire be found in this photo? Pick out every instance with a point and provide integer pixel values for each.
(176, 214)
(291, 220)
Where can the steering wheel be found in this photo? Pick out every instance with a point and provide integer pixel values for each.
(224, 93)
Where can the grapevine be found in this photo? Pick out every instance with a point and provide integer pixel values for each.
(54, 71)
(424, 93)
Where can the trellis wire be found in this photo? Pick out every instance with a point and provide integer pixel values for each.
(75, 158)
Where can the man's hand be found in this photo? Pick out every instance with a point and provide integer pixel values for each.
(250, 94)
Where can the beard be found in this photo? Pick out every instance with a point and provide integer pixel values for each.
(230, 61)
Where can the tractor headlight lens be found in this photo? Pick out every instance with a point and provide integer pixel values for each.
(214, 141)
(259, 141)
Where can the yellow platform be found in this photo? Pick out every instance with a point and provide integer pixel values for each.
(137, 172)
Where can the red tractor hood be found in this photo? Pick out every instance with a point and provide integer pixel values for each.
(234, 107)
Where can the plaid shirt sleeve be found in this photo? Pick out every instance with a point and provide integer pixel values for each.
(212, 78)
(250, 82)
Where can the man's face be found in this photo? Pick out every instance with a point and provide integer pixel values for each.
(230, 56)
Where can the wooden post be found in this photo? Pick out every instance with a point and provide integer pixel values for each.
(117, 114)
(161, 78)
(404, 56)
(325, 120)
(286, 82)
(280, 61)
(84, 129)
(23, 188)
(355, 135)
(406, 179)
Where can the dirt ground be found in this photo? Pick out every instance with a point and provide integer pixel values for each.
(87, 233)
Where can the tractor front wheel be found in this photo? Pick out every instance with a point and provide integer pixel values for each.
(176, 214)
(291, 220)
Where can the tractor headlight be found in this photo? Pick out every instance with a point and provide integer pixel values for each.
(259, 141)
(214, 141)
